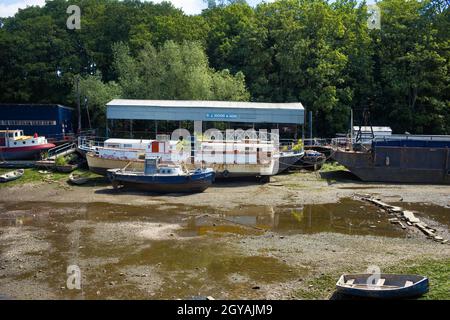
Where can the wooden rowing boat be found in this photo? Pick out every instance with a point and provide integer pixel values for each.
(387, 286)
(12, 175)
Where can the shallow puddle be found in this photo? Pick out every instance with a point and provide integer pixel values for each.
(429, 211)
(347, 216)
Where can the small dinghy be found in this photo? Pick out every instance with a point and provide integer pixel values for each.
(313, 160)
(78, 179)
(388, 286)
(12, 175)
(163, 178)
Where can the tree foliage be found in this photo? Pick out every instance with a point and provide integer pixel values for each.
(175, 71)
(318, 52)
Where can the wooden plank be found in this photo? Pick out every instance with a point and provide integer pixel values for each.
(409, 215)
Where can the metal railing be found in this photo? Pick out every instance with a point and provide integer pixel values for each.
(62, 149)
(412, 137)
(89, 143)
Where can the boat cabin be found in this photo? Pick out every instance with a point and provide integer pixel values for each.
(16, 138)
(153, 167)
(127, 143)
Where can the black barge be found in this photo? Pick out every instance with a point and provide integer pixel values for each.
(403, 159)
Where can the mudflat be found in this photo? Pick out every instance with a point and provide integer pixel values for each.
(290, 238)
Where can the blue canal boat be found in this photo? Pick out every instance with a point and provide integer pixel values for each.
(163, 178)
(387, 286)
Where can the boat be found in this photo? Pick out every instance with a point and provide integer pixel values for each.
(78, 179)
(228, 158)
(163, 178)
(88, 144)
(388, 286)
(399, 158)
(312, 160)
(14, 145)
(320, 145)
(12, 175)
(287, 160)
(66, 168)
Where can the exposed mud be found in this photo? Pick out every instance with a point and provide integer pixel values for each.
(237, 240)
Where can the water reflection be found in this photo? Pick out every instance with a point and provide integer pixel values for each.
(347, 216)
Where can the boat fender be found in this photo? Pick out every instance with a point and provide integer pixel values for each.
(387, 161)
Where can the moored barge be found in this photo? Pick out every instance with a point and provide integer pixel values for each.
(402, 159)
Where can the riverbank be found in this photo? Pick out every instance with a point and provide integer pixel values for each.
(288, 239)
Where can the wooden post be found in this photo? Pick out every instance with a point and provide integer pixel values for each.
(78, 103)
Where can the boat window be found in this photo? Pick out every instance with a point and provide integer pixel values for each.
(15, 142)
(24, 142)
(127, 145)
(32, 141)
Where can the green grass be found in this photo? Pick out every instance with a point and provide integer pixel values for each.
(437, 271)
(332, 166)
(33, 176)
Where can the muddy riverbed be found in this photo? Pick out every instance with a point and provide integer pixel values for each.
(236, 240)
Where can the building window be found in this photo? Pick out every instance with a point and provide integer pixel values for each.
(27, 122)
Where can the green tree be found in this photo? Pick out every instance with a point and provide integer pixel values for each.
(413, 71)
(98, 94)
(175, 71)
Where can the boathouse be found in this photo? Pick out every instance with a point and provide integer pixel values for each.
(54, 121)
(287, 117)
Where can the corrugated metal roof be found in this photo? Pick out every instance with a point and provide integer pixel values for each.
(205, 104)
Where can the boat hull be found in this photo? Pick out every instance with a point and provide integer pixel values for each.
(398, 165)
(101, 166)
(197, 182)
(24, 153)
(395, 289)
(288, 160)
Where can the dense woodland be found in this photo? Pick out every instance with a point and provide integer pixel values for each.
(317, 52)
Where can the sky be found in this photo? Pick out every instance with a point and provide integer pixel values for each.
(10, 7)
